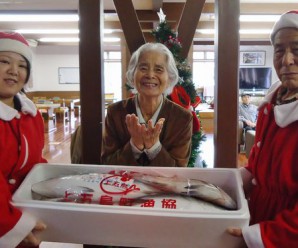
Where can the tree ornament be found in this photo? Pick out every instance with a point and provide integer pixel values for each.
(161, 15)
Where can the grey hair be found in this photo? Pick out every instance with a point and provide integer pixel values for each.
(171, 64)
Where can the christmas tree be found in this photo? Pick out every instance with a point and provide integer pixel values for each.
(184, 92)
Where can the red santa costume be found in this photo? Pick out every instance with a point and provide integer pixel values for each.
(273, 168)
(21, 144)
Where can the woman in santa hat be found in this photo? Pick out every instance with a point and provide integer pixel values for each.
(271, 177)
(21, 140)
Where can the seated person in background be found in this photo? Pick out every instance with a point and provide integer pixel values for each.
(248, 113)
(148, 129)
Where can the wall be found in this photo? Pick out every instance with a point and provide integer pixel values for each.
(269, 57)
(47, 60)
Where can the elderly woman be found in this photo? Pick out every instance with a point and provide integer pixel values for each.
(271, 177)
(148, 129)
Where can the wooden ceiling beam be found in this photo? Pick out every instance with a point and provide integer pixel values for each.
(157, 4)
(173, 11)
(117, 25)
(130, 24)
(147, 15)
(188, 24)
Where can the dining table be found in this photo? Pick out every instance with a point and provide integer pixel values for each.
(70, 103)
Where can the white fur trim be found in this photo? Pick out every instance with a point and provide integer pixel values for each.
(19, 232)
(252, 236)
(270, 93)
(286, 114)
(7, 113)
(286, 20)
(10, 45)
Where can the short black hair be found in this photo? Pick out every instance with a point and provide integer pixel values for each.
(28, 73)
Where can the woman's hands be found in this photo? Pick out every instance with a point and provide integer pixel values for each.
(143, 137)
(135, 129)
(31, 240)
(151, 135)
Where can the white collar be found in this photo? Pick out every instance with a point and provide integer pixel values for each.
(139, 112)
(284, 114)
(7, 113)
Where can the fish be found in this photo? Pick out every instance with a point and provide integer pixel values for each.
(189, 187)
(126, 188)
(105, 189)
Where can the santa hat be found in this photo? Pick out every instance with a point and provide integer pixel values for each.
(14, 42)
(286, 20)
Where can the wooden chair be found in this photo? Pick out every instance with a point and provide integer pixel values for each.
(62, 114)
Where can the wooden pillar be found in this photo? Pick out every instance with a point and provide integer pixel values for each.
(226, 82)
(130, 24)
(188, 23)
(91, 78)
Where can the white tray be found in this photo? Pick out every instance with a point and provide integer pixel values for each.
(136, 226)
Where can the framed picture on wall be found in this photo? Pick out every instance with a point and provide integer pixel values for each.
(253, 58)
(69, 75)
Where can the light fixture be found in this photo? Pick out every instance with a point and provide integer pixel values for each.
(39, 18)
(59, 40)
(75, 40)
(205, 31)
(47, 31)
(55, 31)
(241, 31)
(259, 18)
(111, 39)
(255, 31)
(246, 18)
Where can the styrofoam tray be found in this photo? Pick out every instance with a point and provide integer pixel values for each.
(136, 226)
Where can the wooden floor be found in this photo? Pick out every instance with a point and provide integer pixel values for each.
(57, 143)
(57, 146)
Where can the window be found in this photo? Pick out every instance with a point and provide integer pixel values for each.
(113, 74)
(203, 71)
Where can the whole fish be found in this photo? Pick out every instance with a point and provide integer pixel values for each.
(125, 187)
(189, 187)
(97, 188)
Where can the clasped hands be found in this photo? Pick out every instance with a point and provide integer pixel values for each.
(250, 123)
(143, 136)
